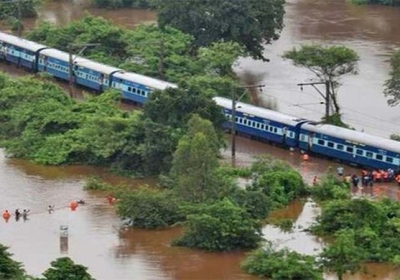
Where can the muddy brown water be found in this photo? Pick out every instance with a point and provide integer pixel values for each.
(95, 238)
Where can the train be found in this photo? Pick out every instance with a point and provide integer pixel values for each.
(347, 145)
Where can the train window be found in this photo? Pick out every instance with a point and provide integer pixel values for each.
(133, 90)
(263, 127)
(379, 157)
(321, 142)
(330, 144)
(275, 130)
(349, 149)
(359, 152)
(340, 147)
(257, 125)
(129, 89)
(369, 154)
(237, 120)
(245, 122)
(389, 159)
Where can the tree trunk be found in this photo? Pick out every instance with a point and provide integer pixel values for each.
(334, 97)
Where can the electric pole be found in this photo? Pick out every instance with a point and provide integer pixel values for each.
(233, 119)
(325, 96)
(71, 60)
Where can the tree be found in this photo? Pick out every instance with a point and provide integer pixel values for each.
(343, 255)
(251, 23)
(281, 265)
(149, 208)
(9, 269)
(222, 226)
(392, 85)
(65, 269)
(327, 63)
(195, 162)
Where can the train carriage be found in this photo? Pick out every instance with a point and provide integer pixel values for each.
(54, 62)
(137, 87)
(94, 75)
(350, 146)
(19, 51)
(262, 123)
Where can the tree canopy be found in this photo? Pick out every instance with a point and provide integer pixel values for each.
(327, 63)
(251, 23)
(65, 269)
(392, 85)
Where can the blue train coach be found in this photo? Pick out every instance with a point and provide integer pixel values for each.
(136, 87)
(19, 51)
(350, 146)
(262, 123)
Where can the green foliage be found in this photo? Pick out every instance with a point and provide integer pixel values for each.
(149, 208)
(65, 269)
(165, 53)
(196, 161)
(28, 9)
(285, 225)
(175, 106)
(395, 137)
(222, 226)
(375, 224)
(256, 203)
(375, 2)
(343, 255)
(392, 85)
(96, 183)
(250, 23)
(9, 269)
(329, 188)
(281, 265)
(280, 182)
(328, 64)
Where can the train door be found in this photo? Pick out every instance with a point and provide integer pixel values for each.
(3, 50)
(284, 134)
(311, 141)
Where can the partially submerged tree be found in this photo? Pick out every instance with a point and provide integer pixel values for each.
(392, 85)
(251, 23)
(65, 269)
(327, 63)
(9, 268)
(343, 255)
(196, 161)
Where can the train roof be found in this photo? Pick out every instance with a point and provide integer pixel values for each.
(144, 80)
(97, 66)
(354, 136)
(56, 54)
(20, 42)
(80, 61)
(258, 111)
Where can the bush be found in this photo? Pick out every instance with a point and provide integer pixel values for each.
(330, 188)
(281, 265)
(149, 208)
(222, 226)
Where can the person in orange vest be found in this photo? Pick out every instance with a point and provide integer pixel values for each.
(6, 215)
(398, 179)
(385, 176)
(378, 176)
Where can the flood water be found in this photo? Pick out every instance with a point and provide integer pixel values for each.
(95, 239)
(372, 31)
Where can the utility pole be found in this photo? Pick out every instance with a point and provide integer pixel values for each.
(325, 96)
(71, 60)
(233, 119)
(161, 59)
(19, 30)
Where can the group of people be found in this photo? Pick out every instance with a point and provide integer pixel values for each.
(369, 177)
(18, 214)
(24, 214)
